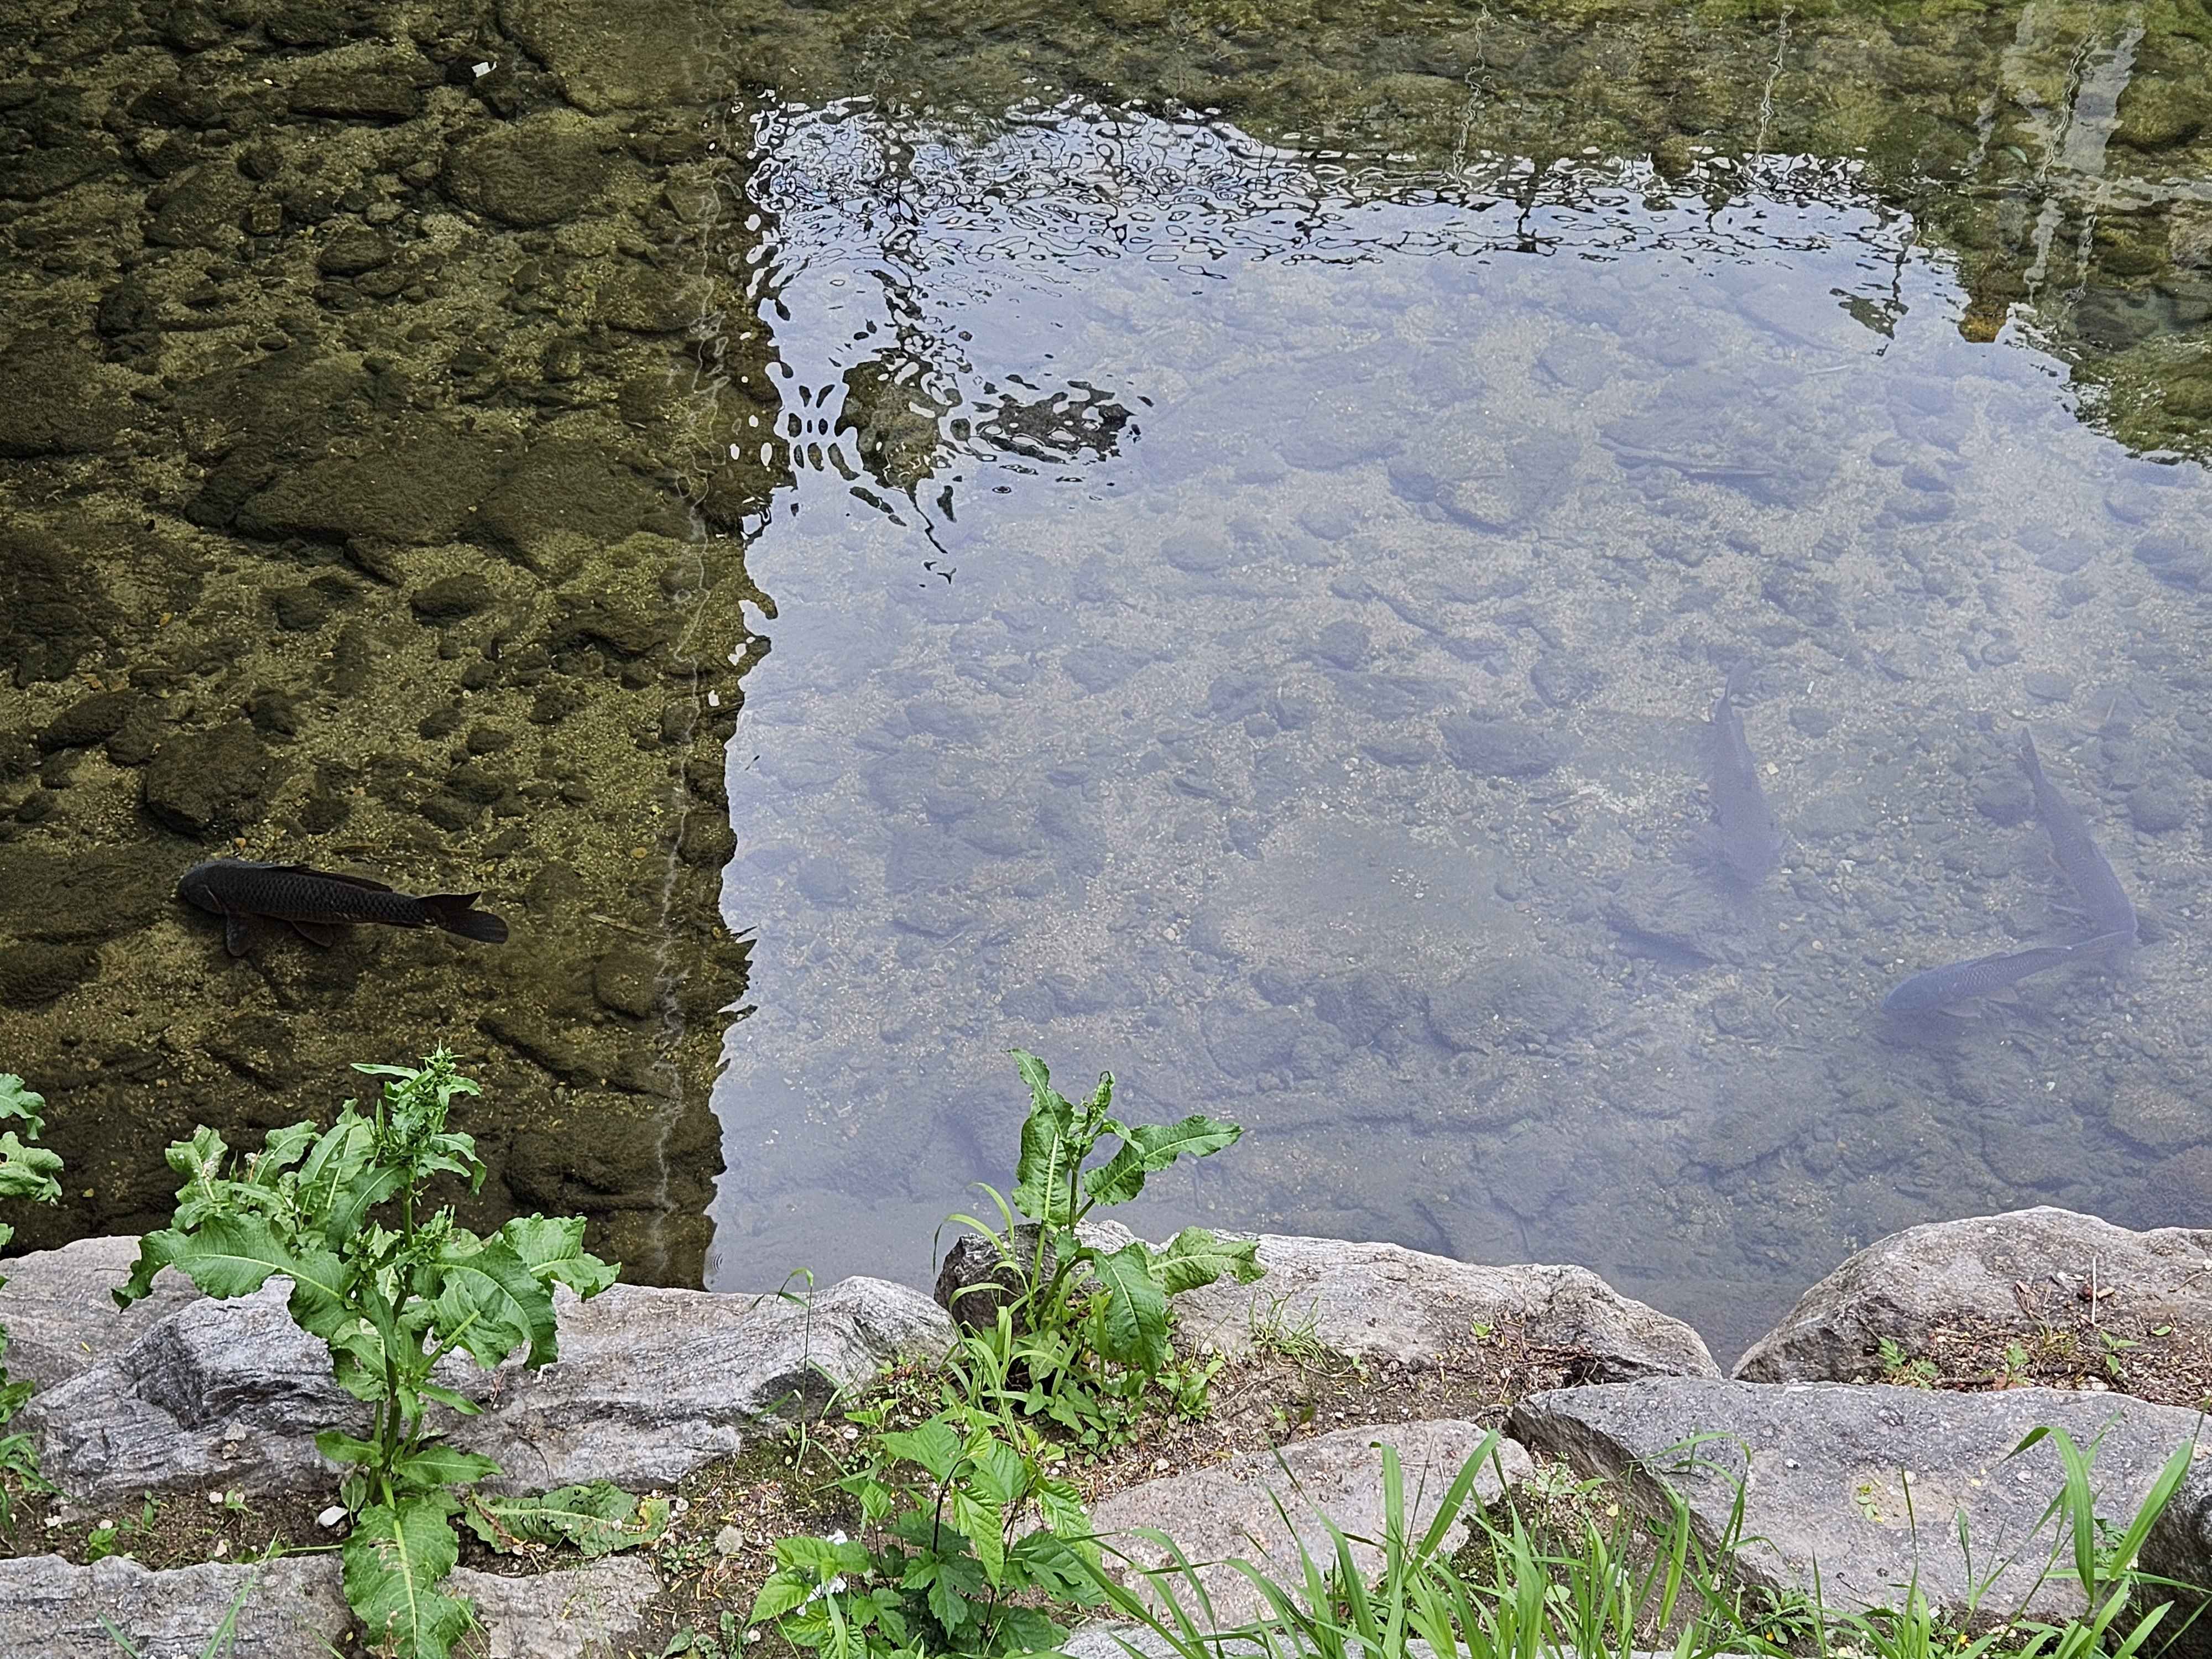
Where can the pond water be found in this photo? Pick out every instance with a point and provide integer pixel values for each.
(1198, 540)
(1248, 622)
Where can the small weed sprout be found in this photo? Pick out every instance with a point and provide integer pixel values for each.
(1910, 1373)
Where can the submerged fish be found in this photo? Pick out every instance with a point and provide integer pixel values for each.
(1750, 840)
(1981, 976)
(315, 901)
(2109, 909)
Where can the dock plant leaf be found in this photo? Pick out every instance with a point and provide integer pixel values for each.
(394, 1560)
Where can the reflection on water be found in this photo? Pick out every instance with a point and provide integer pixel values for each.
(1248, 621)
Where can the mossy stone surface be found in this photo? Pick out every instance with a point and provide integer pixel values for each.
(538, 172)
(52, 401)
(421, 490)
(212, 783)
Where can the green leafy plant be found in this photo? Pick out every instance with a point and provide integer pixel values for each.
(391, 1287)
(950, 1567)
(25, 1171)
(1089, 1328)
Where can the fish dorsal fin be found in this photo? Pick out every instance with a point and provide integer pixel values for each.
(350, 881)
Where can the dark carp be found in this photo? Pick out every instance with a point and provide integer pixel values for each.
(2109, 909)
(315, 901)
(1750, 839)
(1981, 976)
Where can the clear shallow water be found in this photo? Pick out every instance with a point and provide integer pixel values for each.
(1248, 624)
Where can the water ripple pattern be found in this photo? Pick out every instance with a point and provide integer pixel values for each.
(1246, 619)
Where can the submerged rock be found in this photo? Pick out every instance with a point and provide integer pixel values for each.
(212, 783)
(51, 401)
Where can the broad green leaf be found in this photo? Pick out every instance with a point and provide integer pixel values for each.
(1061, 1506)
(596, 1519)
(1196, 1136)
(1134, 1328)
(283, 1149)
(29, 1171)
(932, 1444)
(1118, 1180)
(998, 1475)
(1148, 1148)
(1196, 1256)
(784, 1590)
(491, 1302)
(436, 1464)
(341, 1448)
(225, 1255)
(339, 1154)
(984, 1521)
(349, 1203)
(1030, 1630)
(394, 1561)
(16, 1101)
(1049, 1151)
(554, 1250)
(822, 1556)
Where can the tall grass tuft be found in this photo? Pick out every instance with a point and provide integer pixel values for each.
(1608, 1584)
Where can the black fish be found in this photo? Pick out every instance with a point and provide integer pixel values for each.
(1750, 840)
(2109, 907)
(314, 901)
(1981, 976)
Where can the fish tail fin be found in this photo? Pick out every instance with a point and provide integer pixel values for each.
(1736, 677)
(2028, 757)
(457, 914)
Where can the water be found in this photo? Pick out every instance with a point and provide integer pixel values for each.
(1249, 624)
(1215, 530)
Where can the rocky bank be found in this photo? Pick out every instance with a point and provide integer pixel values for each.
(1869, 1484)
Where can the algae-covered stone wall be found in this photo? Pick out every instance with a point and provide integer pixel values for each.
(379, 415)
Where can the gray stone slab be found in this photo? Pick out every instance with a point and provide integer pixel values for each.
(582, 1612)
(1387, 1302)
(1264, 1506)
(294, 1607)
(1905, 1285)
(652, 1383)
(60, 1314)
(288, 1609)
(1867, 1485)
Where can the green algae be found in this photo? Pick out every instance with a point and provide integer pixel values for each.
(367, 503)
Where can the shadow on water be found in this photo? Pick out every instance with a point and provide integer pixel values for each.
(1259, 500)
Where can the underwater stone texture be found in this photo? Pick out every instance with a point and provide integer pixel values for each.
(373, 427)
